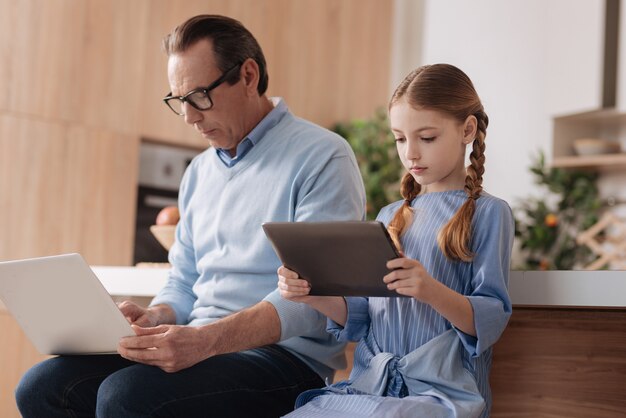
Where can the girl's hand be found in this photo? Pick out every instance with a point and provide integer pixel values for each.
(292, 287)
(409, 278)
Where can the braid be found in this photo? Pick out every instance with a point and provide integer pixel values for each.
(409, 189)
(455, 237)
(475, 171)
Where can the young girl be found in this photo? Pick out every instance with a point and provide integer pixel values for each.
(427, 354)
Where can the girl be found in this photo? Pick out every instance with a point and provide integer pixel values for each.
(427, 354)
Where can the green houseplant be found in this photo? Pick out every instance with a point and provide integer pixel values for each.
(547, 227)
(375, 150)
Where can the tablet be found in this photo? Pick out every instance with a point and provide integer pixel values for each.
(61, 305)
(336, 258)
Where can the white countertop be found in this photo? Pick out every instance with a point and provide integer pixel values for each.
(131, 281)
(569, 288)
(532, 288)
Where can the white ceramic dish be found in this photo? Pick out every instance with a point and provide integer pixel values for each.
(595, 146)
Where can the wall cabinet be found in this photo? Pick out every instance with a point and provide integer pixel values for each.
(608, 124)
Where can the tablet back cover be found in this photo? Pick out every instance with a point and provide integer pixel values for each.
(337, 258)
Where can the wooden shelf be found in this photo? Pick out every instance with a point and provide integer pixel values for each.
(607, 124)
(591, 161)
(600, 116)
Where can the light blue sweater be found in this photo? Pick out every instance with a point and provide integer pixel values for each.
(222, 261)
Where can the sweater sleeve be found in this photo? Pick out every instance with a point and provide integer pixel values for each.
(178, 290)
(296, 319)
(323, 198)
(490, 299)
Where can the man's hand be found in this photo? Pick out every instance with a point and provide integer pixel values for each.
(176, 347)
(169, 347)
(146, 317)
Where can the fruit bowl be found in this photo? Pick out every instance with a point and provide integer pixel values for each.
(164, 234)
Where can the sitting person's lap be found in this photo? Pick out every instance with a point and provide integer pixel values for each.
(260, 382)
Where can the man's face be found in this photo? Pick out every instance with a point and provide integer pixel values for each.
(224, 125)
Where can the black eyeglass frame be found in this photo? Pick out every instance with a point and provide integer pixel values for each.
(205, 90)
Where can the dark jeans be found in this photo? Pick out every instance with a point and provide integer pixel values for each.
(256, 383)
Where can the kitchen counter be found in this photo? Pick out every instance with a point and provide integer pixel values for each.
(569, 288)
(131, 281)
(527, 288)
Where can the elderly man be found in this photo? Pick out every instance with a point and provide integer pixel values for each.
(218, 340)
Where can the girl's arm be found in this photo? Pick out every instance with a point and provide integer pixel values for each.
(410, 278)
(293, 288)
(453, 306)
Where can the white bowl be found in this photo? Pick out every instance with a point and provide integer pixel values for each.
(595, 146)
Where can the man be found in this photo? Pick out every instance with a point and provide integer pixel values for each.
(218, 340)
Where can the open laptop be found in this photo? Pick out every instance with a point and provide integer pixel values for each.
(61, 305)
(341, 258)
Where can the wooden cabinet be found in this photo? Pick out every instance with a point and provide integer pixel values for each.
(66, 188)
(17, 355)
(80, 62)
(561, 362)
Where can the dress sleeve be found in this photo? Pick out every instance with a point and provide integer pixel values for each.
(357, 322)
(493, 242)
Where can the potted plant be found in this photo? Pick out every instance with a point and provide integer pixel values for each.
(375, 150)
(547, 227)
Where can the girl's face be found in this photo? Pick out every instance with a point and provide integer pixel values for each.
(431, 145)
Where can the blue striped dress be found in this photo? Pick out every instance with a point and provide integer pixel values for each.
(410, 360)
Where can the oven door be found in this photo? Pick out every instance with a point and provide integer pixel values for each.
(150, 201)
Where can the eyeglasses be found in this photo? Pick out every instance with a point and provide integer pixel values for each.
(198, 98)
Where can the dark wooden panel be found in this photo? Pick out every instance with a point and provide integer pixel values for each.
(561, 363)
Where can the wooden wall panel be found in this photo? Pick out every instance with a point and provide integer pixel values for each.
(74, 61)
(66, 188)
(561, 363)
(17, 355)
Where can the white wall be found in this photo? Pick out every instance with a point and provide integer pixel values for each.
(529, 60)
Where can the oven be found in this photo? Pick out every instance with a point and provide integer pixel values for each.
(161, 169)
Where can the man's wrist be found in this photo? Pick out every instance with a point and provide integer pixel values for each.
(162, 314)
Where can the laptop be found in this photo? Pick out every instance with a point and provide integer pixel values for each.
(346, 258)
(61, 305)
